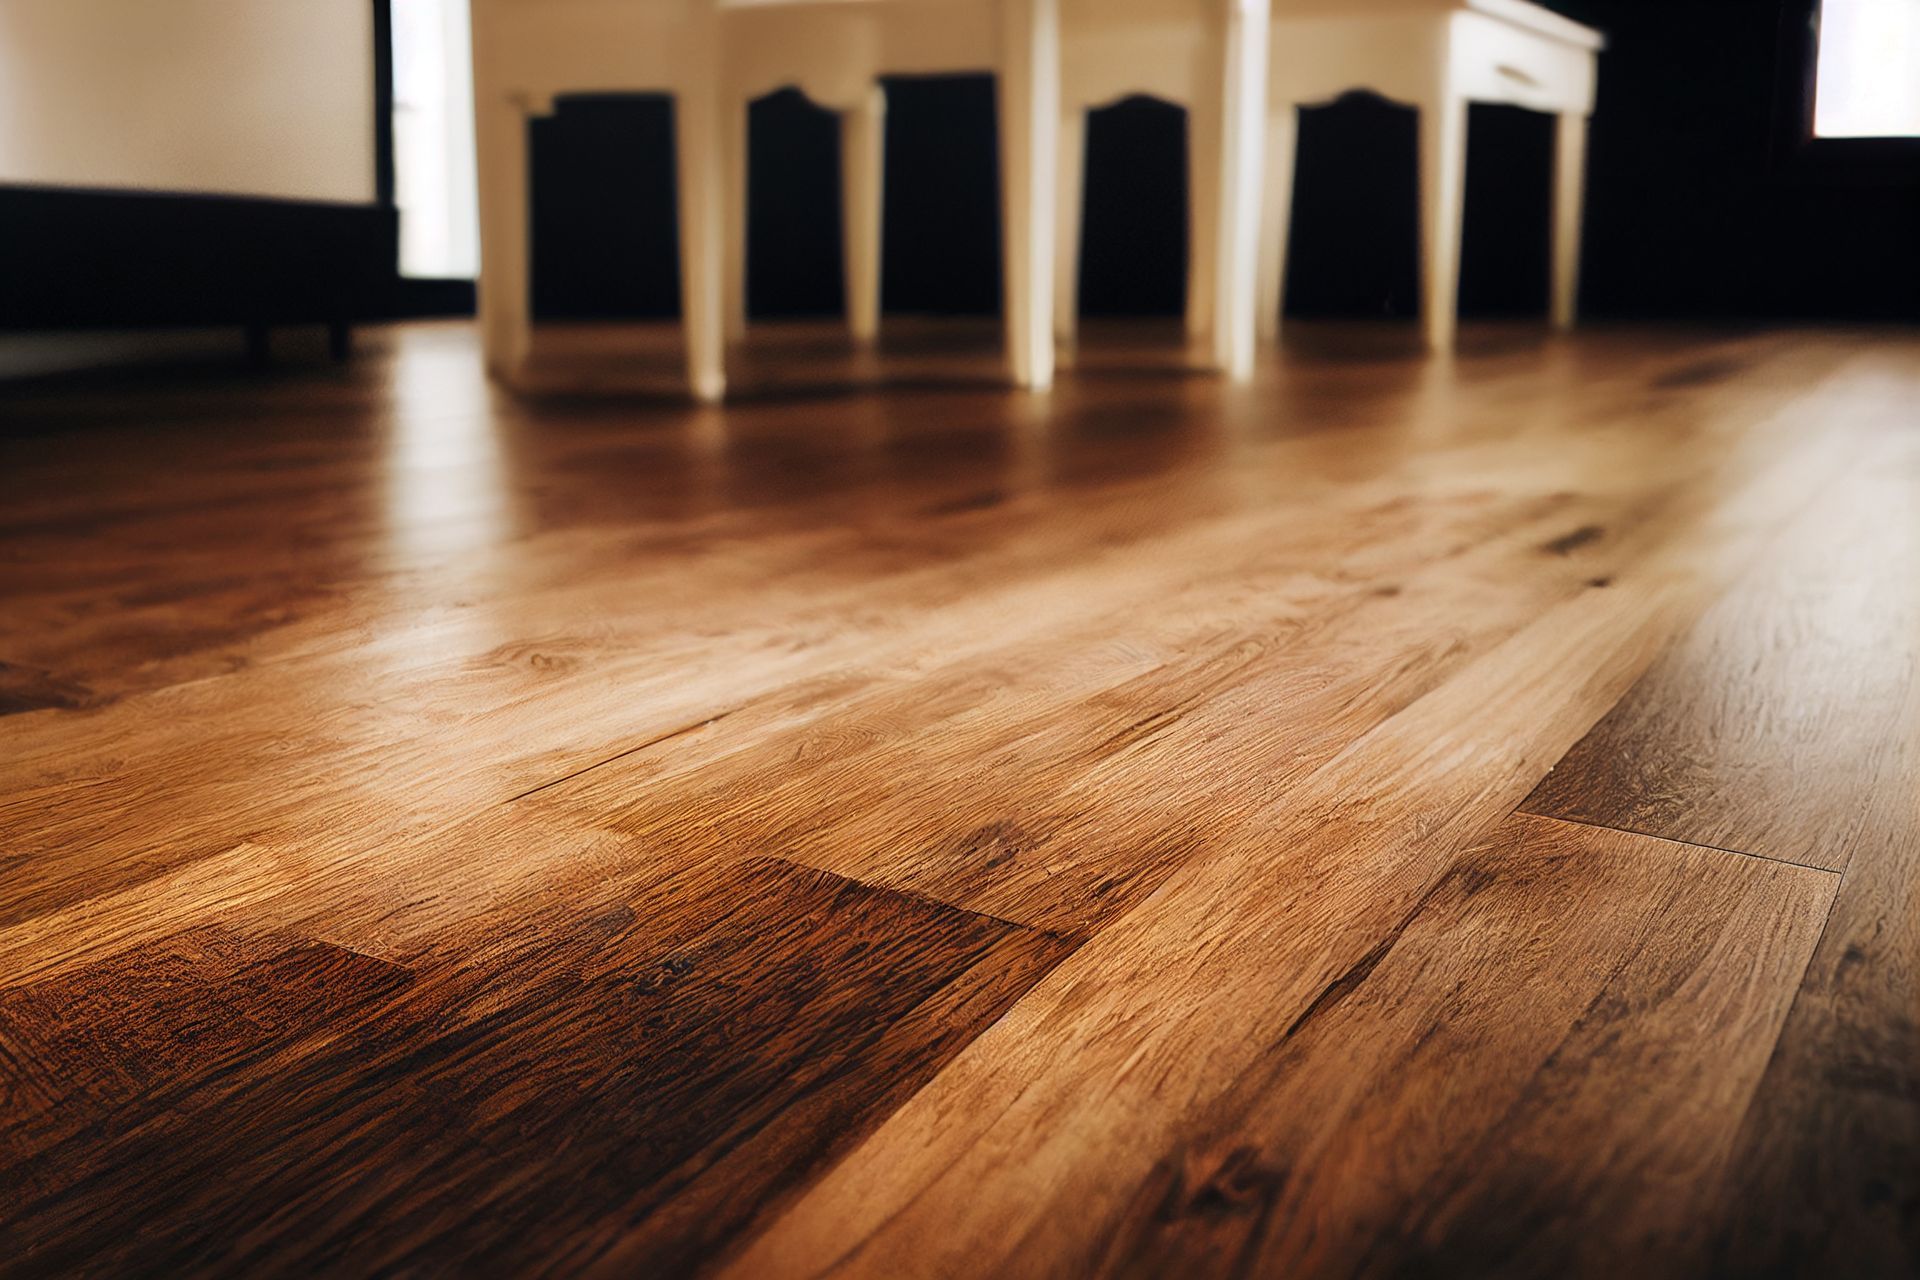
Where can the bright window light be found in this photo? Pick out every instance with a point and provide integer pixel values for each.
(1868, 80)
(433, 176)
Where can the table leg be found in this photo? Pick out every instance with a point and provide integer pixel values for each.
(863, 136)
(1029, 85)
(1443, 156)
(1569, 189)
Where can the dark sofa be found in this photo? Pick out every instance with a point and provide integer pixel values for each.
(79, 259)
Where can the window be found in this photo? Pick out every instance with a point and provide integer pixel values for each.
(1867, 78)
(433, 175)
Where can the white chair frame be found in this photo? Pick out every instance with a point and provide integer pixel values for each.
(1209, 56)
(1438, 55)
(713, 56)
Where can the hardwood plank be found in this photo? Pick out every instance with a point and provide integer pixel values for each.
(755, 780)
(1788, 724)
(1770, 727)
(88, 822)
(705, 621)
(626, 1082)
(311, 496)
(119, 1035)
(839, 784)
(1009, 807)
(1025, 780)
(1030, 1146)
(1825, 1179)
(1531, 1074)
(1015, 806)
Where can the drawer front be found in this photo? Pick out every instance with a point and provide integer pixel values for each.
(1495, 62)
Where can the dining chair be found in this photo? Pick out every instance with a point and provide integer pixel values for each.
(1438, 55)
(713, 56)
(1210, 57)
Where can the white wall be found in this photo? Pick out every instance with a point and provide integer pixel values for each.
(252, 97)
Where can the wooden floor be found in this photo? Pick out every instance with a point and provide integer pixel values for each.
(1407, 817)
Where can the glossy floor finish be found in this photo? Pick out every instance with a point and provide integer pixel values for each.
(1405, 817)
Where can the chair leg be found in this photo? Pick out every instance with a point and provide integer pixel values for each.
(1569, 188)
(863, 136)
(1237, 161)
(701, 169)
(1203, 212)
(734, 148)
(1276, 220)
(505, 226)
(1443, 154)
(1066, 262)
(1029, 85)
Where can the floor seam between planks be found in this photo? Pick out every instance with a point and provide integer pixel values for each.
(1076, 937)
(655, 741)
(1691, 844)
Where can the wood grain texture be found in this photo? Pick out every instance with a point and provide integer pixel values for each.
(1533, 1073)
(443, 685)
(897, 826)
(1787, 723)
(1771, 727)
(620, 1084)
(997, 1166)
(1822, 1181)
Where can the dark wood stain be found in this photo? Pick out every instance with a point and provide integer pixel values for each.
(36, 689)
(623, 1090)
(1568, 543)
(1700, 373)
